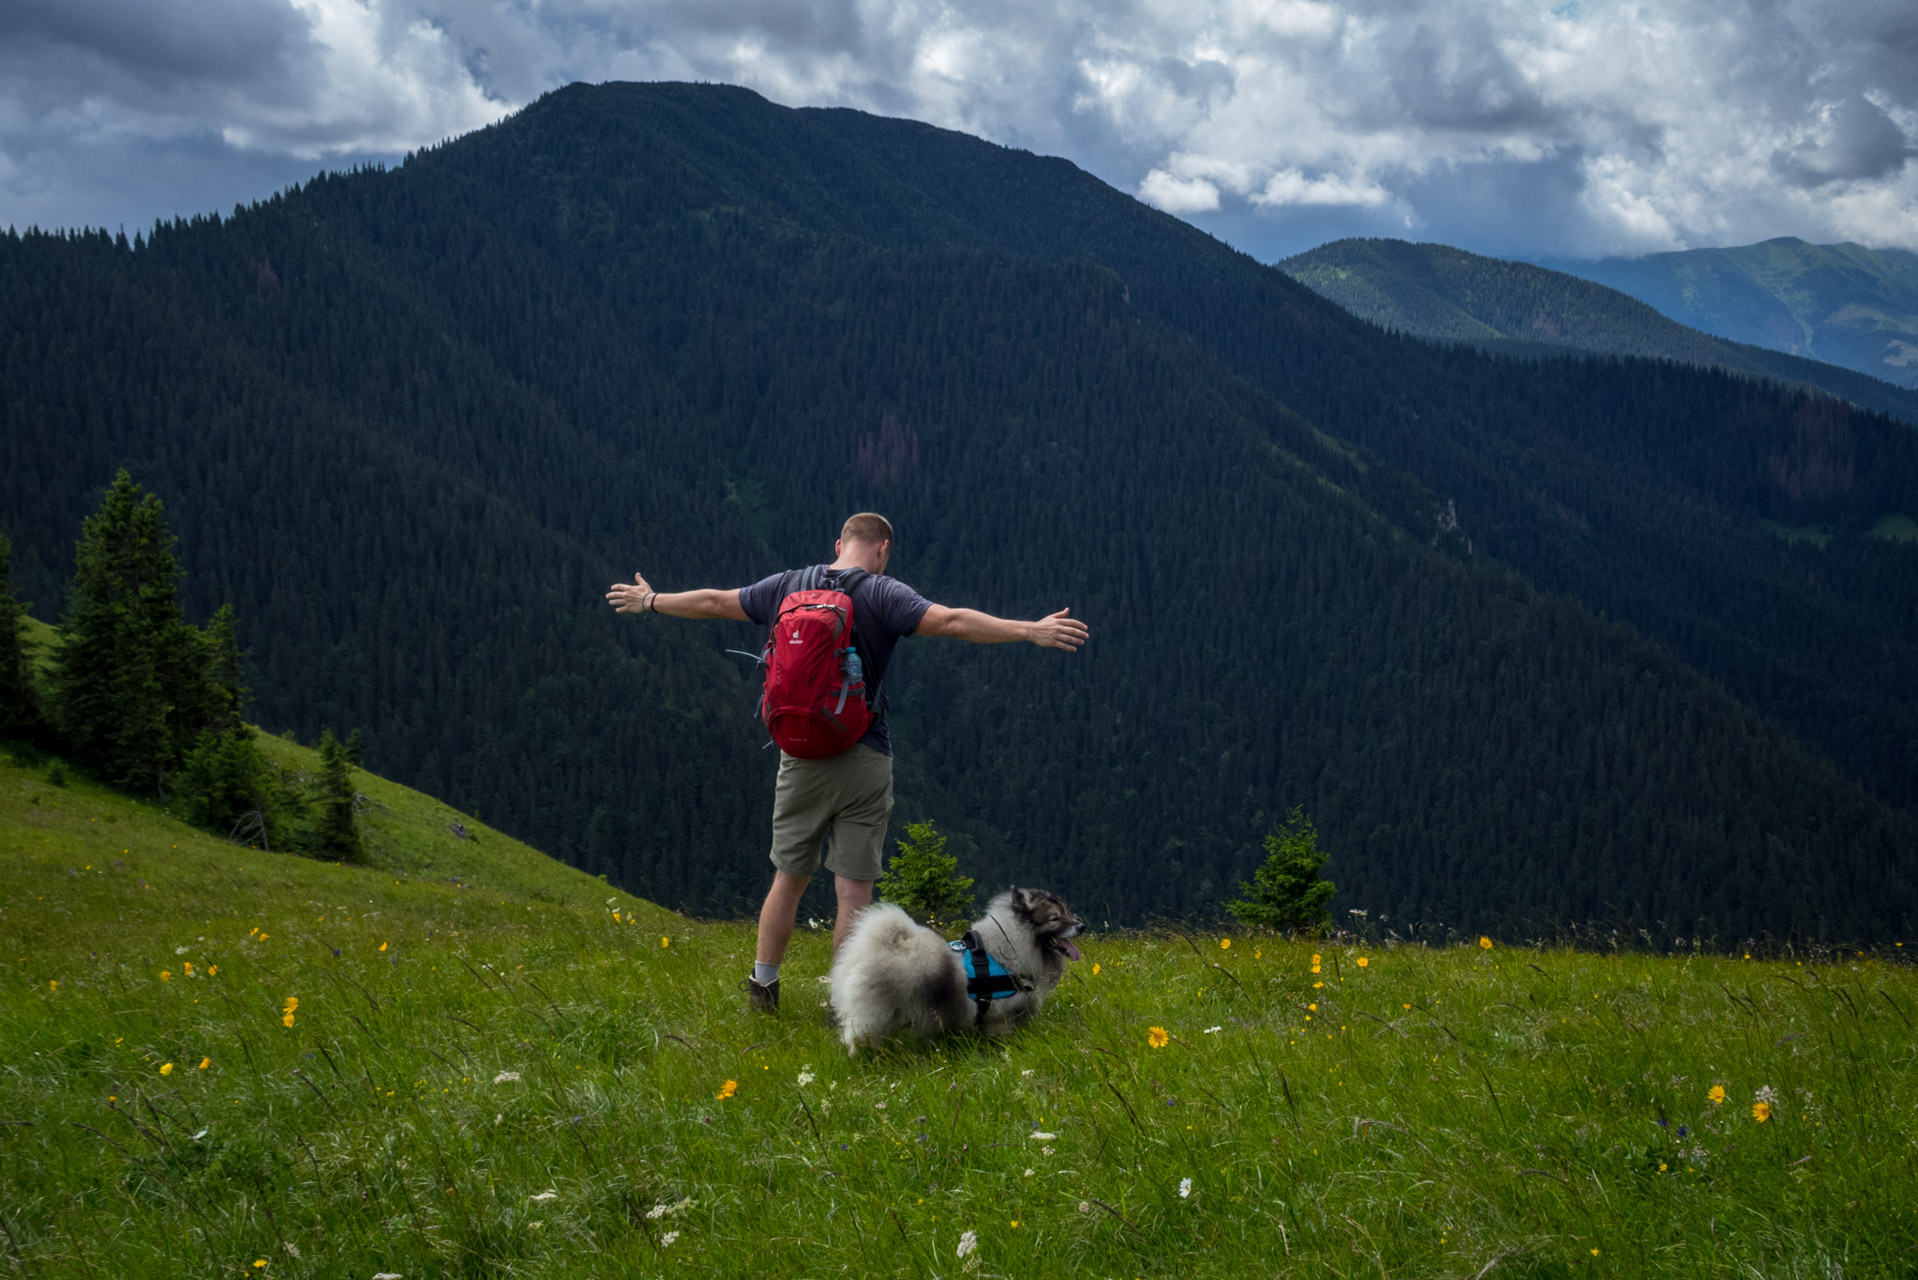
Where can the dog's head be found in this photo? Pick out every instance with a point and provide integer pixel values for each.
(1051, 921)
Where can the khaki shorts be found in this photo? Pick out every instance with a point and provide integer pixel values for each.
(849, 795)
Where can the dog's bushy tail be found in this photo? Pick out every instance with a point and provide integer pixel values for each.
(884, 927)
(892, 974)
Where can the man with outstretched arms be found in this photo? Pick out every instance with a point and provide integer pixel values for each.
(848, 794)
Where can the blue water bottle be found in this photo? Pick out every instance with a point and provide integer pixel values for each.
(855, 670)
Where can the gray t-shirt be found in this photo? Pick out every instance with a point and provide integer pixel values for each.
(883, 611)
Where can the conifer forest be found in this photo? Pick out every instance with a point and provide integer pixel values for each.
(1535, 642)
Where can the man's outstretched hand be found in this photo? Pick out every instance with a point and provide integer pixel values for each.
(629, 597)
(1057, 631)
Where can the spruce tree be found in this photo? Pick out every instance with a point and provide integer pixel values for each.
(1285, 892)
(120, 636)
(19, 711)
(337, 834)
(923, 878)
(226, 696)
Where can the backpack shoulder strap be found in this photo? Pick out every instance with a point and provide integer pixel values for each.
(850, 578)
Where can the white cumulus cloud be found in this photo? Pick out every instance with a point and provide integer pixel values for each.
(1506, 125)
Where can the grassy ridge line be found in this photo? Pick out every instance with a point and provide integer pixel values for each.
(482, 1081)
(406, 831)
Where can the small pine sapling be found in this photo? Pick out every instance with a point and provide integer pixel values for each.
(336, 834)
(924, 879)
(19, 707)
(1286, 893)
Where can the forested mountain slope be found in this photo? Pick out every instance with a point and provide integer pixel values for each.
(412, 422)
(1436, 291)
(1845, 304)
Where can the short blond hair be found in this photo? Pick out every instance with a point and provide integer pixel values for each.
(868, 527)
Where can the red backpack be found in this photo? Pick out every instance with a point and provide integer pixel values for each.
(815, 703)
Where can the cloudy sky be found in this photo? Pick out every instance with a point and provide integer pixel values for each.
(1504, 126)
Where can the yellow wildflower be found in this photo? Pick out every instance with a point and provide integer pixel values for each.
(1761, 1111)
(166, 975)
(53, 984)
(1257, 952)
(1315, 959)
(166, 1068)
(286, 1019)
(727, 1090)
(212, 970)
(1484, 943)
(382, 946)
(1225, 944)
(1095, 966)
(665, 941)
(1157, 1037)
(1314, 1008)
(187, 968)
(205, 1063)
(292, 1003)
(1362, 962)
(1716, 1094)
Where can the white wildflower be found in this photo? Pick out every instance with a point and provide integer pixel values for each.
(1042, 1137)
(659, 1211)
(667, 1239)
(1185, 1188)
(290, 1247)
(499, 1117)
(879, 1106)
(506, 1077)
(387, 1275)
(1045, 1151)
(179, 951)
(1213, 1031)
(544, 1196)
(968, 1242)
(1028, 1173)
(1026, 1072)
(1766, 1095)
(1084, 1207)
(805, 1075)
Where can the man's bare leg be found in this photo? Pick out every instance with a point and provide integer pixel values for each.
(777, 916)
(854, 896)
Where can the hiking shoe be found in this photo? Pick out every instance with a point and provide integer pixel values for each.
(765, 999)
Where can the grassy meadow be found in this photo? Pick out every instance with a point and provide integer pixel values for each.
(468, 1060)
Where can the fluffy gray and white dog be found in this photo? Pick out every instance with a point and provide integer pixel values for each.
(893, 974)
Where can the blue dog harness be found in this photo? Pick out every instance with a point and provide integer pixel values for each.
(986, 978)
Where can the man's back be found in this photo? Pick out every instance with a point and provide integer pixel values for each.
(884, 610)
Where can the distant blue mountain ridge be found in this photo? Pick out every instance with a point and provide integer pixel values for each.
(1437, 291)
(1843, 304)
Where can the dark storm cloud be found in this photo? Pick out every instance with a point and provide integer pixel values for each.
(1504, 125)
(227, 44)
(1858, 141)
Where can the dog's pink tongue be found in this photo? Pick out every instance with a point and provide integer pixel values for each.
(1071, 950)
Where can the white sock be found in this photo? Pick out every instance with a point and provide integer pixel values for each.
(765, 974)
